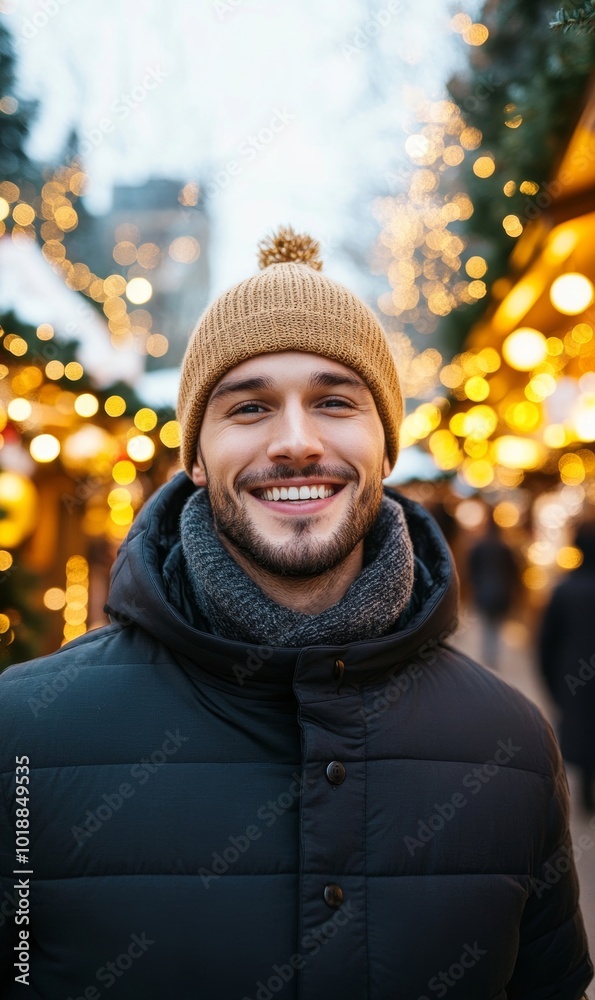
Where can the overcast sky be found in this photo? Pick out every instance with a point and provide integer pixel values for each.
(291, 111)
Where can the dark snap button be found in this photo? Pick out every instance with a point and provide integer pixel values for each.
(333, 895)
(336, 772)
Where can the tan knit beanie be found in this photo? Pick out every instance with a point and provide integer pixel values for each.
(289, 306)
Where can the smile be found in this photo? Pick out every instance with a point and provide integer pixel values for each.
(297, 492)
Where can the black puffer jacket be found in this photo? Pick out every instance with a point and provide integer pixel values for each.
(216, 821)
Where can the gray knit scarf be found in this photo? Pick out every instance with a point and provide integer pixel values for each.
(235, 608)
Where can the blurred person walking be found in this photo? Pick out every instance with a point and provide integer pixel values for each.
(494, 576)
(567, 659)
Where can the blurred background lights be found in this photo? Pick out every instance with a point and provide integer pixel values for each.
(583, 418)
(140, 448)
(417, 146)
(470, 513)
(171, 434)
(524, 348)
(477, 388)
(157, 345)
(23, 214)
(5, 560)
(16, 345)
(124, 472)
(145, 419)
(73, 371)
(460, 23)
(475, 34)
(572, 293)
(19, 504)
(86, 405)
(54, 599)
(114, 285)
(124, 253)
(119, 497)
(139, 290)
(572, 470)
(476, 267)
(512, 225)
(518, 452)
(484, 166)
(184, 250)
(569, 557)
(19, 409)
(470, 138)
(115, 406)
(554, 435)
(44, 448)
(87, 447)
(478, 473)
(148, 255)
(54, 370)
(506, 514)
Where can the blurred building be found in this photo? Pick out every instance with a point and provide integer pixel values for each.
(158, 232)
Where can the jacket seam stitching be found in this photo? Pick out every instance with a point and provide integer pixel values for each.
(288, 874)
(242, 763)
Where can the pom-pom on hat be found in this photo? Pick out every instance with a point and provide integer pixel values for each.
(288, 306)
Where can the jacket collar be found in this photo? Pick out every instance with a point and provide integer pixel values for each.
(138, 594)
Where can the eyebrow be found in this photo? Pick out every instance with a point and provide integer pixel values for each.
(320, 380)
(242, 385)
(317, 380)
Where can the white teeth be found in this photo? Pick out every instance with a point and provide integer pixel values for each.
(297, 493)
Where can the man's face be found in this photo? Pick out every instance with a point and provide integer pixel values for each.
(291, 450)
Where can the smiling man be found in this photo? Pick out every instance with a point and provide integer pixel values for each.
(299, 537)
(271, 775)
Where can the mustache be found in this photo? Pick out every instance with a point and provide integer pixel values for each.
(274, 473)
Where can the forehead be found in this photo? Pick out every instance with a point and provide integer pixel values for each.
(286, 369)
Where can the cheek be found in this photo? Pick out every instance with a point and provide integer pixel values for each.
(229, 453)
(365, 445)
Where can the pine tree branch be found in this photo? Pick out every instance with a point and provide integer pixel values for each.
(582, 19)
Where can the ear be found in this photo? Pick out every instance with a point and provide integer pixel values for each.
(198, 473)
(387, 467)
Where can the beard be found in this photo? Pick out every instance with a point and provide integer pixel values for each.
(303, 555)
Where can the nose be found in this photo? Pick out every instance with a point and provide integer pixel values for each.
(295, 439)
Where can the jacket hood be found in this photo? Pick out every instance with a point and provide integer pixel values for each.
(140, 593)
